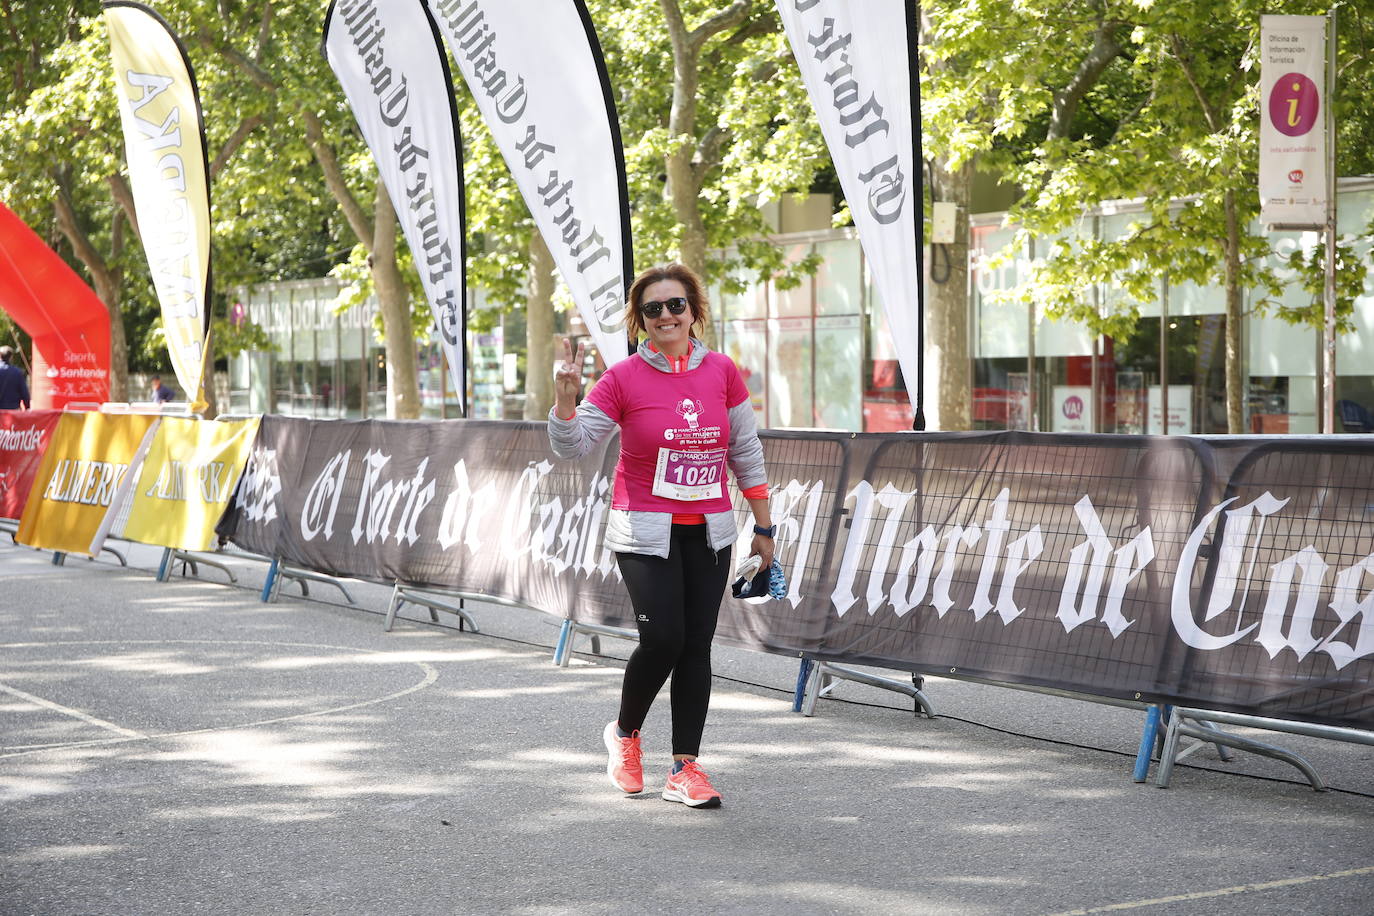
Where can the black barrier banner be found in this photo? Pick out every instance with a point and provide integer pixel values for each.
(1228, 573)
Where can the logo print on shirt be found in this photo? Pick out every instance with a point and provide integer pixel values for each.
(689, 410)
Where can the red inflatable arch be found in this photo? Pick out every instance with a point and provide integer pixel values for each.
(69, 324)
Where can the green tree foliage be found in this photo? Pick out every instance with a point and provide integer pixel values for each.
(61, 171)
(716, 122)
(287, 165)
(707, 141)
(753, 138)
(1089, 101)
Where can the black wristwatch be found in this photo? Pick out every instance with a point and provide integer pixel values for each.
(770, 532)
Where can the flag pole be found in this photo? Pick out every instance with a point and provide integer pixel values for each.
(1328, 424)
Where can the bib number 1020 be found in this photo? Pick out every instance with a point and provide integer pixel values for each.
(691, 475)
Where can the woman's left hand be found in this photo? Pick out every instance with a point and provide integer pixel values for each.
(763, 546)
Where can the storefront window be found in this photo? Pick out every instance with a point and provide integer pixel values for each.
(794, 302)
(376, 379)
(839, 336)
(789, 373)
(429, 366)
(327, 354)
(802, 365)
(1283, 365)
(355, 331)
(746, 342)
(318, 366)
(839, 281)
(1000, 335)
(752, 303)
(1355, 351)
(1079, 383)
(821, 355)
(486, 359)
(886, 404)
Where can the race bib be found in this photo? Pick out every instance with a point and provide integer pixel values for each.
(689, 475)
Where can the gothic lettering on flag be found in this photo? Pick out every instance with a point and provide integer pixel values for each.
(536, 72)
(856, 61)
(391, 65)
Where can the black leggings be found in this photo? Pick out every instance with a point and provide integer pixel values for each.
(676, 602)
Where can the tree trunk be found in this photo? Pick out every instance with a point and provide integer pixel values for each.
(1235, 376)
(402, 388)
(106, 280)
(539, 332)
(119, 344)
(212, 409)
(682, 191)
(689, 158)
(948, 398)
(681, 188)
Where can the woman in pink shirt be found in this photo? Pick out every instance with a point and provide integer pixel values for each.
(684, 417)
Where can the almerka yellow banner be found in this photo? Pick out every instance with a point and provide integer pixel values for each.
(165, 142)
(186, 481)
(86, 461)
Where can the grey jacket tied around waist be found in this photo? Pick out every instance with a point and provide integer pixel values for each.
(634, 531)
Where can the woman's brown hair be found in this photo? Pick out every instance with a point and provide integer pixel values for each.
(696, 296)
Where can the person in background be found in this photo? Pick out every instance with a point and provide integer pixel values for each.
(14, 384)
(160, 393)
(684, 414)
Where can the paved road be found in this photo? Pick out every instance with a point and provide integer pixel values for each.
(180, 747)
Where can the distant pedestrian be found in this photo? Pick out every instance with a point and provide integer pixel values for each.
(14, 384)
(161, 393)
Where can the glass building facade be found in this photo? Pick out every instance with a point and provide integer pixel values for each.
(332, 365)
(1033, 373)
(819, 355)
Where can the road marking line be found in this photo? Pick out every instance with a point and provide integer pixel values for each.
(431, 676)
(1221, 892)
(68, 711)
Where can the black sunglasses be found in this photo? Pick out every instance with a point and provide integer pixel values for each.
(676, 305)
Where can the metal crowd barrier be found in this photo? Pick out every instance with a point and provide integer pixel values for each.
(436, 599)
(818, 679)
(571, 629)
(1163, 730)
(1204, 727)
(1178, 727)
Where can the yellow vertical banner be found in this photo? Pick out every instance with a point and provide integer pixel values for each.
(86, 461)
(187, 480)
(164, 139)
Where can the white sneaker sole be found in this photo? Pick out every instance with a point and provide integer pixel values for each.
(612, 742)
(675, 796)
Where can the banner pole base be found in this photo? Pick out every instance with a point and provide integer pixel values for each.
(799, 693)
(271, 580)
(1148, 735)
(560, 651)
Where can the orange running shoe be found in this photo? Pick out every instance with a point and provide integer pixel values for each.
(690, 786)
(625, 766)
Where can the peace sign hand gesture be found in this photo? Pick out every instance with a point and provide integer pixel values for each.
(567, 379)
